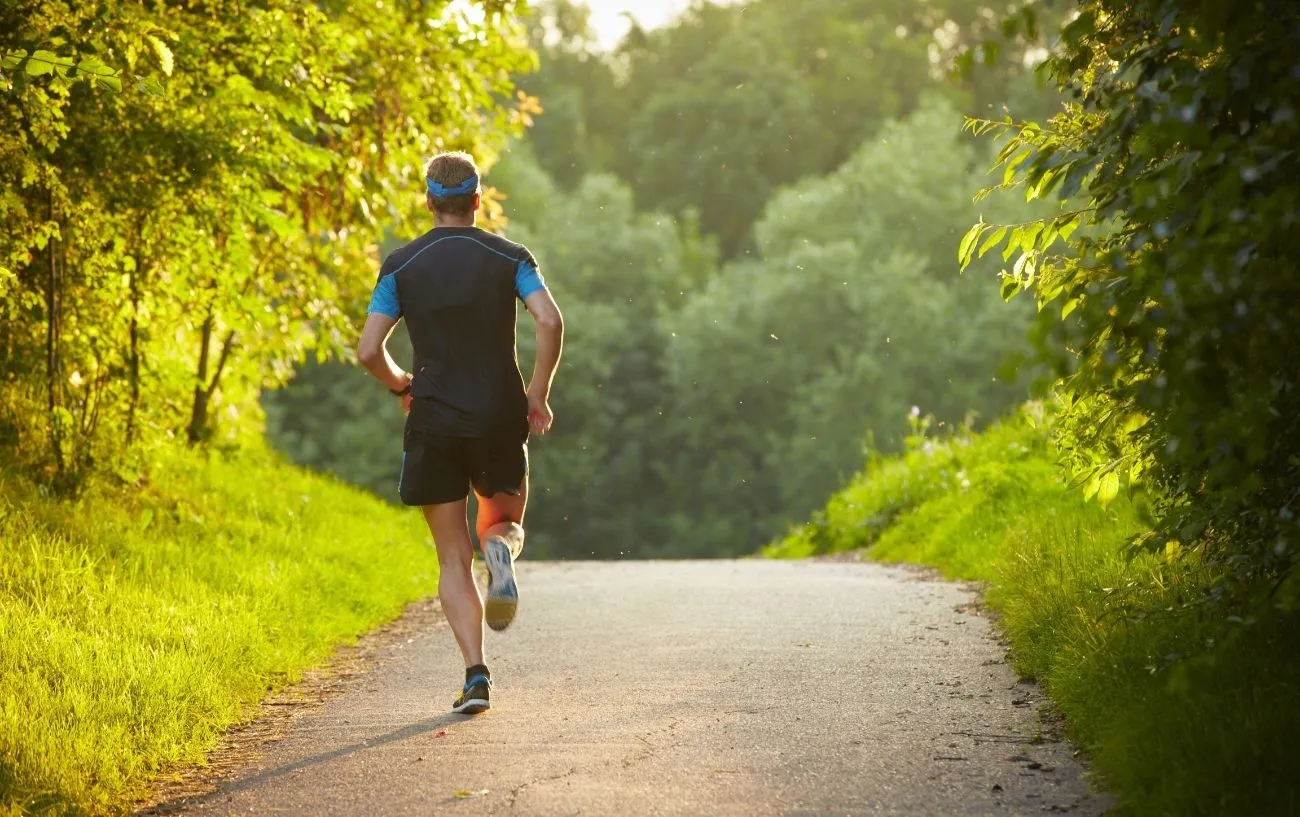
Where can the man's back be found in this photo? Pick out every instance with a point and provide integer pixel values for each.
(457, 288)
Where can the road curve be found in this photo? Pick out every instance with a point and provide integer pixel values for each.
(687, 688)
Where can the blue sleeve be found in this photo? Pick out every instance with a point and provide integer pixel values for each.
(384, 299)
(528, 279)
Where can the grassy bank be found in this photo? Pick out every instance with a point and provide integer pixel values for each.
(140, 621)
(1186, 707)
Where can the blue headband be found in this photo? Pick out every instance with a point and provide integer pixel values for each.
(466, 187)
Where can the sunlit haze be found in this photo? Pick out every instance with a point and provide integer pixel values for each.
(607, 16)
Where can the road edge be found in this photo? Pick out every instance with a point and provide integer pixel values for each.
(276, 714)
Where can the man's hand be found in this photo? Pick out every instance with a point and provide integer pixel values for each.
(539, 414)
(550, 340)
(405, 399)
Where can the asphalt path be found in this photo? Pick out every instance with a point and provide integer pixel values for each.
(687, 688)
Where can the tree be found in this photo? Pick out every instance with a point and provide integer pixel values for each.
(1171, 270)
(785, 367)
(195, 217)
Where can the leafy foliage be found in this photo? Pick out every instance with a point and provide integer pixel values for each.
(1173, 269)
(202, 211)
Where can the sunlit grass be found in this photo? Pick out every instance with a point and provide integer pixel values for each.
(137, 624)
(1183, 708)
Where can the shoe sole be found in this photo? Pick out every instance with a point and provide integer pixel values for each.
(503, 594)
(472, 707)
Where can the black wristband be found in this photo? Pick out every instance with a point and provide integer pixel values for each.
(403, 392)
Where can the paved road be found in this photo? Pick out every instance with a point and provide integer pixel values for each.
(705, 688)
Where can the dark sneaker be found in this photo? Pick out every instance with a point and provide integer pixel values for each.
(474, 697)
(502, 594)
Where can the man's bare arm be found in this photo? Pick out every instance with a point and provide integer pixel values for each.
(550, 344)
(372, 352)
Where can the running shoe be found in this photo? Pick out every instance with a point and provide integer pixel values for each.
(474, 697)
(503, 593)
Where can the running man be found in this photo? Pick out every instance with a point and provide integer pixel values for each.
(468, 413)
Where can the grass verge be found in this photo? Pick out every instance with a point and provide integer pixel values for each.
(1186, 707)
(137, 625)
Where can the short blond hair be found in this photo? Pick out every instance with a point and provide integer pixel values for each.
(451, 170)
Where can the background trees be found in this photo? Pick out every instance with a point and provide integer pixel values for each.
(704, 405)
(717, 111)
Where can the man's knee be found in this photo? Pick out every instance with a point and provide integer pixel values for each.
(460, 558)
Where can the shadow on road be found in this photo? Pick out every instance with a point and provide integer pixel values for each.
(252, 781)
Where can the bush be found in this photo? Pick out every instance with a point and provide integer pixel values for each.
(1178, 291)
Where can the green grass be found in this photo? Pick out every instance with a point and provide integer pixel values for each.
(1185, 708)
(137, 623)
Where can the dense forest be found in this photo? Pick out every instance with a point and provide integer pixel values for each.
(749, 218)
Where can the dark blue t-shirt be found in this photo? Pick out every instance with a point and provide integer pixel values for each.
(457, 288)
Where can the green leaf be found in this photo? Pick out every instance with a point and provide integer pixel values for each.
(1044, 185)
(967, 247)
(1017, 236)
(1007, 152)
(1010, 287)
(164, 53)
(1009, 174)
(150, 86)
(1134, 422)
(1032, 232)
(94, 66)
(112, 82)
(1022, 239)
(1069, 307)
(41, 62)
(1091, 487)
(992, 241)
(1108, 487)
(1023, 271)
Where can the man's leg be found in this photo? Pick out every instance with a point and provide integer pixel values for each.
(461, 602)
(501, 537)
(502, 516)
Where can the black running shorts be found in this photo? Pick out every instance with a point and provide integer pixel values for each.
(438, 469)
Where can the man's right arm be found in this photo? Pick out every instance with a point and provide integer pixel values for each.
(550, 343)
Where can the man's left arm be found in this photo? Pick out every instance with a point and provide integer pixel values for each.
(372, 349)
(372, 352)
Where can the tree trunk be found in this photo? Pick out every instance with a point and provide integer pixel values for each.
(133, 362)
(226, 348)
(53, 363)
(199, 413)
